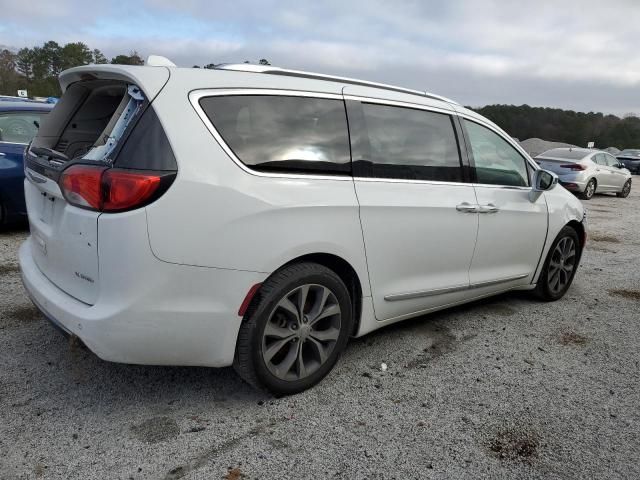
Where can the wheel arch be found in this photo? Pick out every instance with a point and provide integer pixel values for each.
(342, 268)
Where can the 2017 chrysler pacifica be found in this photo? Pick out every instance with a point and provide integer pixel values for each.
(259, 217)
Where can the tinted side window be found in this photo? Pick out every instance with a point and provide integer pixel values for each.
(599, 159)
(19, 127)
(496, 161)
(406, 143)
(610, 160)
(282, 133)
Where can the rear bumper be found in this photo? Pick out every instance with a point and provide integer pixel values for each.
(181, 316)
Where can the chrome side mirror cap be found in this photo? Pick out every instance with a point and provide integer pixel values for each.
(542, 181)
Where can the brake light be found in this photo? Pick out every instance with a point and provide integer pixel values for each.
(96, 187)
(124, 190)
(574, 166)
(81, 186)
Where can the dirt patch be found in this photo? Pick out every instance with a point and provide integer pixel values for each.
(602, 237)
(9, 269)
(25, 313)
(513, 445)
(603, 210)
(233, 474)
(626, 293)
(157, 429)
(572, 338)
(593, 248)
(440, 342)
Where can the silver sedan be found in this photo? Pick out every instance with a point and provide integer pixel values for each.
(585, 171)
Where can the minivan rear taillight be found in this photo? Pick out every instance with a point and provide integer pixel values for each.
(97, 187)
(574, 166)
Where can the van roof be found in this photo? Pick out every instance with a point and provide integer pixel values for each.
(74, 74)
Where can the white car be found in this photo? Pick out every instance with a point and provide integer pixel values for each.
(259, 217)
(585, 171)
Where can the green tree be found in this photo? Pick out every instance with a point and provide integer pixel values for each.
(132, 59)
(97, 57)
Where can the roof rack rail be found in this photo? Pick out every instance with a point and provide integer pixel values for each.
(268, 69)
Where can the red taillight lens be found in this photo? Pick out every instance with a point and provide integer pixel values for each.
(574, 166)
(81, 186)
(124, 190)
(110, 189)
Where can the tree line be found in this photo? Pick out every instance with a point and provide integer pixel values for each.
(566, 126)
(36, 69)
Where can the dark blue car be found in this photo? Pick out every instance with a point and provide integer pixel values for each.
(19, 121)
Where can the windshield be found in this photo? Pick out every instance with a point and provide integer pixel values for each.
(635, 153)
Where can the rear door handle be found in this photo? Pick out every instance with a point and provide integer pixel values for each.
(3, 154)
(467, 208)
(488, 208)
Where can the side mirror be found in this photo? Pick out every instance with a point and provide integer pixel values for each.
(543, 180)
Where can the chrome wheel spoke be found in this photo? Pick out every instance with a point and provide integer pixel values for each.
(326, 313)
(275, 348)
(330, 334)
(288, 306)
(303, 292)
(302, 369)
(284, 367)
(273, 330)
(319, 349)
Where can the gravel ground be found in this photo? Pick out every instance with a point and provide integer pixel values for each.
(504, 388)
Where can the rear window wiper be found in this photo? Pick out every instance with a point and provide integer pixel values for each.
(50, 153)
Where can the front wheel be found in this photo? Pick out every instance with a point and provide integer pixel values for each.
(294, 333)
(589, 190)
(560, 266)
(626, 190)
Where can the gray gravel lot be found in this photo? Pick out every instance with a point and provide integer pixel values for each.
(504, 388)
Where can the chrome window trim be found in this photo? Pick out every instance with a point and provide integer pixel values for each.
(457, 288)
(405, 180)
(398, 103)
(196, 95)
(14, 143)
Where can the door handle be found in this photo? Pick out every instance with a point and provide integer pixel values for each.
(3, 154)
(467, 208)
(488, 208)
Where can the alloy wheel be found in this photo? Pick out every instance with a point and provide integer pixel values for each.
(626, 189)
(301, 332)
(591, 189)
(562, 264)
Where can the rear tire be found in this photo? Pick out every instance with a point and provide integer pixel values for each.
(626, 190)
(560, 266)
(589, 190)
(294, 330)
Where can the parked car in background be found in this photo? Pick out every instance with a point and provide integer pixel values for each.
(631, 159)
(260, 217)
(586, 171)
(18, 125)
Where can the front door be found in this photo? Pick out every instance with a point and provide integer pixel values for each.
(418, 214)
(512, 229)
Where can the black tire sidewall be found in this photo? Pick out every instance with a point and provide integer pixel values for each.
(276, 289)
(585, 196)
(543, 280)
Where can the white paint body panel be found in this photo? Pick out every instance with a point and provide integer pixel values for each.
(170, 277)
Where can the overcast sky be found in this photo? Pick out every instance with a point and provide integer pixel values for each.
(580, 54)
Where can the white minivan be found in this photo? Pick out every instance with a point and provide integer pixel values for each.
(259, 217)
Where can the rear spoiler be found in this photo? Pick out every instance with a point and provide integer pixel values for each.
(150, 79)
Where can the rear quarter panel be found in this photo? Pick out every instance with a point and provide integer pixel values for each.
(218, 215)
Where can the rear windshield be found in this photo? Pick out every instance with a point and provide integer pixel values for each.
(283, 133)
(565, 153)
(19, 126)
